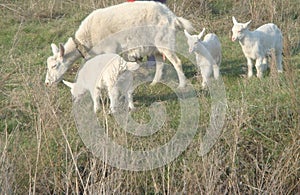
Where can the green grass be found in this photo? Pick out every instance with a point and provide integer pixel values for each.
(41, 151)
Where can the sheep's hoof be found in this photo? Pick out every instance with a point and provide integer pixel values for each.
(132, 109)
(111, 112)
(260, 76)
(96, 110)
(249, 76)
(153, 83)
(181, 85)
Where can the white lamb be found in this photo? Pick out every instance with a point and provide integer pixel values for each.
(125, 19)
(257, 45)
(208, 54)
(106, 71)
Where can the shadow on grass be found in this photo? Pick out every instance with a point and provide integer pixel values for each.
(146, 94)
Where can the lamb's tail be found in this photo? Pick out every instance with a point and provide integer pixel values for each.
(183, 23)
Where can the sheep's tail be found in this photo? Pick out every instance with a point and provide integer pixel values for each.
(183, 23)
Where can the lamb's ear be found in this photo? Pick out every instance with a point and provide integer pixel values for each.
(247, 24)
(71, 85)
(187, 34)
(132, 66)
(234, 20)
(201, 34)
(54, 49)
(61, 50)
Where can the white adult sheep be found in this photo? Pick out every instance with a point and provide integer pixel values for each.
(257, 44)
(102, 23)
(106, 71)
(208, 54)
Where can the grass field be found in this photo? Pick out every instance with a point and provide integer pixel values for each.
(41, 151)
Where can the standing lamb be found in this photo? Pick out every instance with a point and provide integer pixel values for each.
(257, 45)
(96, 28)
(208, 54)
(106, 71)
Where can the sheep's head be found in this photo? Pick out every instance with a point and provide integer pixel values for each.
(55, 65)
(193, 40)
(238, 29)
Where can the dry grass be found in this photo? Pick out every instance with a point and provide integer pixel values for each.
(42, 153)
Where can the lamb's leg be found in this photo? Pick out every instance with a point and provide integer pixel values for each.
(206, 71)
(96, 100)
(113, 94)
(129, 98)
(250, 67)
(172, 57)
(259, 67)
(204, 83)
(159, 69)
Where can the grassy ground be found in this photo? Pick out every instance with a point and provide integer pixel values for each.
(41, 151)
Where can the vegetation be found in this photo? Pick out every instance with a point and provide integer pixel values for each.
(41, 151)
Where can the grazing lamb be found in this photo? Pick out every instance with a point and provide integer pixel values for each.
(208, 54)
(257, 44)
(97, 27)
(106, 71)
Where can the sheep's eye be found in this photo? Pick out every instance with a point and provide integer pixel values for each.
(54, 66)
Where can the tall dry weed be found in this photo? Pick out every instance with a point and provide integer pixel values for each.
(258, 152)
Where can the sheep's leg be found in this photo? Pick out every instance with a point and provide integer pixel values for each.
(113, 94)
(279, 61)
(250, 67)
(159, 69)
(265, 64)
(172, 57)
(259, 67)
(216, 71)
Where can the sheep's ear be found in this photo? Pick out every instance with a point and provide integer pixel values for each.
(61, 50)
(234, 20)
(187, 34)
(132, 66)
(247, 24)
(54, 49)
(201, 34)
(71, 85)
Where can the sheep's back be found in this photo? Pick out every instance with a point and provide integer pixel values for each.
(103, 22)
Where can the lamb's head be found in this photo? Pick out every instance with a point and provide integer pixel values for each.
(124, 65)
(56, 66)
(238, 29)
(193, 40)
(132, 66)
